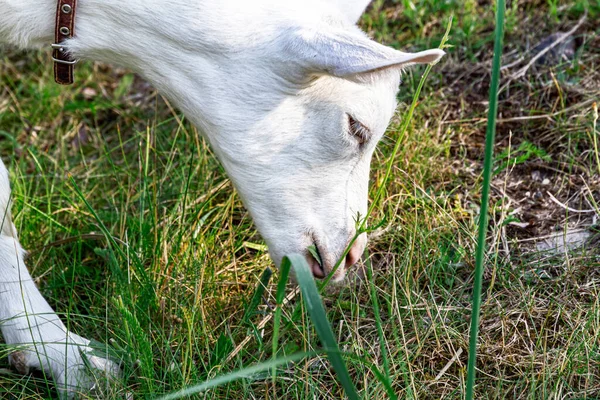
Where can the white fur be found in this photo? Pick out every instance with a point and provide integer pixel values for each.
(27, 322)
(268, 82)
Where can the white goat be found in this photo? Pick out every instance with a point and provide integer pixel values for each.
(292, 96)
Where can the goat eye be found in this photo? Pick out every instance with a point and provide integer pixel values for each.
(358, 130)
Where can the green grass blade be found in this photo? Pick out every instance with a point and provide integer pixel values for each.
(483, 218)
(242, 373)
(595, 134)
(377, 315)
(283, 278)
(316, 311)
(258, 293)
(375, 371)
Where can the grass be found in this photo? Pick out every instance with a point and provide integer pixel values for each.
(490, 140)
(149, 249)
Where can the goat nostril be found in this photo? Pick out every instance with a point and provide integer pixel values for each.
(317, 271)
(315, 263)
(353, 255)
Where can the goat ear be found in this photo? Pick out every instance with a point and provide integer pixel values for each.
(352, 9)
(342, 53)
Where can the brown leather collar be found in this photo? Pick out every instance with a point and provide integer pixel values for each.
(65, 29)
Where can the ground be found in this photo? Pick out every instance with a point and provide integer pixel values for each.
(110, 157)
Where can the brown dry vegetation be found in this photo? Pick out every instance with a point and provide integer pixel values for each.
(540, 326)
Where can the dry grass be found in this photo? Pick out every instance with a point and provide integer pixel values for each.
(194, 257)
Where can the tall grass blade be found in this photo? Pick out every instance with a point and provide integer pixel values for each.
(377, 315)
(485, 195)
(376, 372)
(257, 297)
(242, 373)
(316, 311)
(283, 278)
(595, 133)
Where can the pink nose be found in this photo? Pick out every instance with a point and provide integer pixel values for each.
(354, 254)
(320, 271)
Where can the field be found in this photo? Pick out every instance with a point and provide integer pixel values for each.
(172, 291)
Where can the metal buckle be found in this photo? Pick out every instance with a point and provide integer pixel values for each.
(56, 60)
(61, 48)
